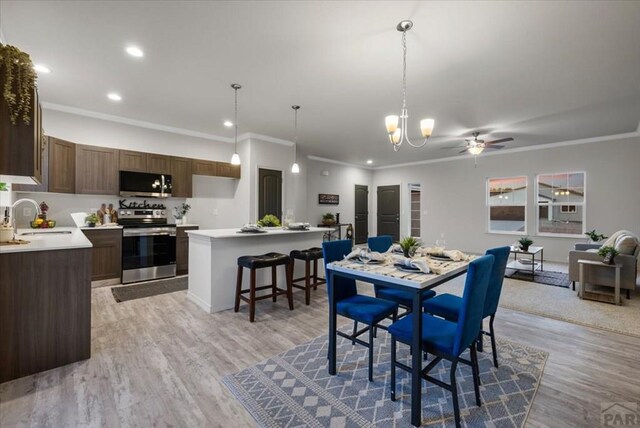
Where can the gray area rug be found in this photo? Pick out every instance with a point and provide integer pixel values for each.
(150, 288)
(557, 279)
(295, 389)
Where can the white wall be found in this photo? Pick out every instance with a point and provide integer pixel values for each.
(341, 181)
(453, 192)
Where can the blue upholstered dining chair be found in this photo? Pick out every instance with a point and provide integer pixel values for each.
(365, 309)
(447, 306)
(446, 339)
(404, 298)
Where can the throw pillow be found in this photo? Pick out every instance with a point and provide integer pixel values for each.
(626, 244)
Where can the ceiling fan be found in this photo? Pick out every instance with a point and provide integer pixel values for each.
(476, 146)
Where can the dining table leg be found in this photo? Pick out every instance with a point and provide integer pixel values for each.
(416, 361)
(332, 323)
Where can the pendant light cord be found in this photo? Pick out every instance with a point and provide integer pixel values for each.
(236, 120)
(404, 69)
(295, 135)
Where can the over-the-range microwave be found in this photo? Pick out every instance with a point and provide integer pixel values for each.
(145, 184)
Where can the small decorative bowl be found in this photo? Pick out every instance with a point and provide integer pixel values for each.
(43, 224)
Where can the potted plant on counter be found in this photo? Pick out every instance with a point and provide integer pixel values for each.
(328, 219)
(609, 253)
(180, 213)
(92, 219)
(269, 220)
(409, 245)
(525, 243)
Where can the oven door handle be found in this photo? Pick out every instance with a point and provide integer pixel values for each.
(149, 234)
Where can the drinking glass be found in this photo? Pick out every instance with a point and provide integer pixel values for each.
(441, 243)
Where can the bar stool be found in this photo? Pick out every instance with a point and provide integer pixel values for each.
(308, 256)
(259, 262)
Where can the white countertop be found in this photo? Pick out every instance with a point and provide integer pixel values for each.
(48, 240)
(233, 233)
(187, 225)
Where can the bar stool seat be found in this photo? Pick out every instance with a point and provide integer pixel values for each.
(308, 256)
(253, 263)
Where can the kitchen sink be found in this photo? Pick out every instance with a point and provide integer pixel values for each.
(56, 232)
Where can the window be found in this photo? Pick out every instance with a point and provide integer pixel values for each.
(507, 205)
(560, 204)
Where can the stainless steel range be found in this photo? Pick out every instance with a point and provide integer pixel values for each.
(148, 244)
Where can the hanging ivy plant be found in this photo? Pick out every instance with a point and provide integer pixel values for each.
(19, 82)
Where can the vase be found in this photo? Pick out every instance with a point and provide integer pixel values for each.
(524, 248)
(184, 219)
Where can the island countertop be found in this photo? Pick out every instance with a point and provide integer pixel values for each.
(234, 233)
(59, 238)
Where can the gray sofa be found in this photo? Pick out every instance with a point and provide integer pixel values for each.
(628, 273)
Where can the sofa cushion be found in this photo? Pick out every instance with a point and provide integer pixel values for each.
(626, 244)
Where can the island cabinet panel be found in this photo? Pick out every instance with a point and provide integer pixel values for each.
(62, 166)
(97, 170)
(44, 183)
(203, 167)
(159, 164)
(182, 249)
(182, 181)
(225, 169)
(45, 310)
(106, 260)
(133, 161)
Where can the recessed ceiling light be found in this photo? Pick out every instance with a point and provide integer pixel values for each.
(228, 123)
(369, 161)
(40, 68)
(114, 97)
(134, 51)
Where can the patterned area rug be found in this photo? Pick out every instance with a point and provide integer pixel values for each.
(557, 279)
(295, 389)
(149, 288)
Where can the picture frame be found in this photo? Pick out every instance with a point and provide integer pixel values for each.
(328, 199)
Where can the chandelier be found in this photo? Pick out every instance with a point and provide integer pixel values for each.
(235, 159)
(397, 125)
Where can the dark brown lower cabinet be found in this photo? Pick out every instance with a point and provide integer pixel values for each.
(182, 249)
(45, 310)
(106, 253)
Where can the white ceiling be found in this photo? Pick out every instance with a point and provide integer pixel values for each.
(541, 72)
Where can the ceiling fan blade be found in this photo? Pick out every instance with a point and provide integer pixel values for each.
(501, 140)
(494, 146)
(452, 147)
(463, 151)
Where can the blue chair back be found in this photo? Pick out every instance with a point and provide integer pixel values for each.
(334, 251)
(501, 255)
(472, 307)
(380, 243)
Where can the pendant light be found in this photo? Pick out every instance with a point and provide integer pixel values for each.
(397, 125)
(235, 159)
(295, 168)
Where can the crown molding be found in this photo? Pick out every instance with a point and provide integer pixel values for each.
(266, 138)
(337, 162)
(133, 122)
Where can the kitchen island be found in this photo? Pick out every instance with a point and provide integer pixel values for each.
(213, 258)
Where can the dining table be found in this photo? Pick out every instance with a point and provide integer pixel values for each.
(387, 274)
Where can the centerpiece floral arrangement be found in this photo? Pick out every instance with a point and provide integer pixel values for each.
(269, 220)
(409, 245)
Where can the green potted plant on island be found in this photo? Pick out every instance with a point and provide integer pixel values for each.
(525, 243)
(409, 245)
(328, 219)
(594, 236)
(92, 219)
(609, 253)
(269, 220)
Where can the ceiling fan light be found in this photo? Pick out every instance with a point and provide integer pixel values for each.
(395, 137)
(426, 126)
(476, 150)
(391, 122)
(235, 159)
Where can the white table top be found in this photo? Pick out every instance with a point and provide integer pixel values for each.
(233, 233)
(48, 240)
(532, 250)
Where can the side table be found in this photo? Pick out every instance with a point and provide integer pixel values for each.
(599, 296)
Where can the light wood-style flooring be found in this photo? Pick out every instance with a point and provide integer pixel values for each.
(159, 361)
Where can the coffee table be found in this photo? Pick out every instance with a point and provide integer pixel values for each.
(531, 266)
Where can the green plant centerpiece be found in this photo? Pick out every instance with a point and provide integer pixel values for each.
(594, 236)
(19, 82)
(328, 219)
(525, 243)
(92, 219)
(181, 210)
(609, 253)
(409, 245)
(269, 220)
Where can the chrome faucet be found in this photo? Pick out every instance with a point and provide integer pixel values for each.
(13, 217)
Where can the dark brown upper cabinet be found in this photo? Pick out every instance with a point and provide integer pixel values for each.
(44, 183)
(133, 161)
(62, 166)
(181, 178)
(225, 169)
(22, 146)
(97, 171)
(203, 167)
(159, 164)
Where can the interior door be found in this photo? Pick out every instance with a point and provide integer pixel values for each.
(269, 193)
(361, 214)
(389, 211)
